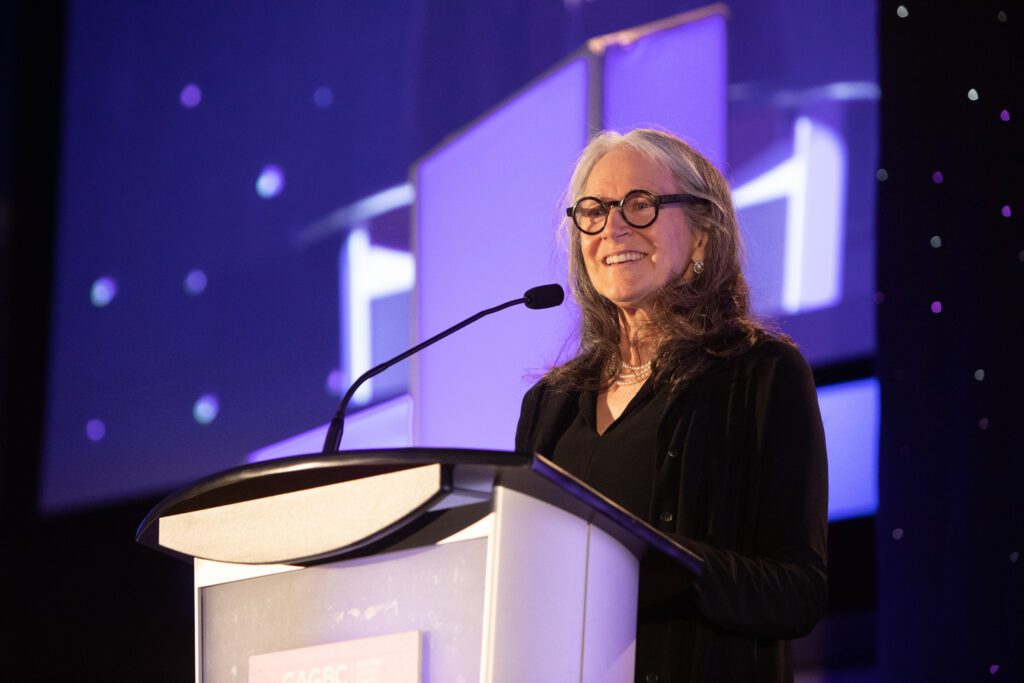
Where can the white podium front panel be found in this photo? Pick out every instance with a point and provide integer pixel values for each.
(436, 590)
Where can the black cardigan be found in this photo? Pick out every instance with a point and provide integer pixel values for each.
(742, 481)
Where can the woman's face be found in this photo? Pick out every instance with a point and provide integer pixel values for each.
(627, 265)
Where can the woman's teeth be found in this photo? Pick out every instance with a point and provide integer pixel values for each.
(623, 257)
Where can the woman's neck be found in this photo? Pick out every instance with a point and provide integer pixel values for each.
(637, 343)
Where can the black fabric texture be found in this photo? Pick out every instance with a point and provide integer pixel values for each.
(740, 478)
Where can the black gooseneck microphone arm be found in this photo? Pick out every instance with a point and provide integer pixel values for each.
(544, 296)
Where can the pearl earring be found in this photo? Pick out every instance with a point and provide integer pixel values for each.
(698, 267)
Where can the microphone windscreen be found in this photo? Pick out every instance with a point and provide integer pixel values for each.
(544, 296)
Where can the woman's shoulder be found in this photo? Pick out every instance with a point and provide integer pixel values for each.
(769, 355)
(778, 363)
(543, 412)
(776, 350)
(544, 392)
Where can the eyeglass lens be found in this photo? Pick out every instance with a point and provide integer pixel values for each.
(639, 209)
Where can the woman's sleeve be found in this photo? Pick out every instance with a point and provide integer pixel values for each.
(528, 418)
(778, 589)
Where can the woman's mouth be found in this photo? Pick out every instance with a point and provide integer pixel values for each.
(624, 257)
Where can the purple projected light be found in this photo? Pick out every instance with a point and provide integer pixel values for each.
(1006, 211)
(936, 307)
(103, 291)
(523, 149)
(195, 282)
(333, 384)
(937, 177)
(270, 182)
(681, 73)
(323, 97)
(95, 430)
(205, 409)
(190, 96)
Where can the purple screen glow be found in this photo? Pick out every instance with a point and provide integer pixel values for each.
(206, 309)
(485, 206)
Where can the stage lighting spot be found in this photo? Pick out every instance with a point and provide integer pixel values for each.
(270, 182)
(935, 241)
(334, 382)
(95, 430)
(983, 423)
(323, 97)
(972, 95)
(1014, 556)
(879, 297)
(994, 669)
(195, 282)
(897, 534)
(1002, 16)
(937, 177)
(936, 307)
(1004, 115)
(882, 175)
(103, 291)
(902, 12)
(205, 409)
(191, 96)
(979, 374)
(1006, 211)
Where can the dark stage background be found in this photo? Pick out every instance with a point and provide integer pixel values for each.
(928, 589)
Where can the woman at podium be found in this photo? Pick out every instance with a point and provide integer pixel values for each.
(687, 411)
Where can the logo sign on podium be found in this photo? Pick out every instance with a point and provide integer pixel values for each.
(392, 658)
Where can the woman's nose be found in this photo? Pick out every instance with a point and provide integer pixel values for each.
(617, 225)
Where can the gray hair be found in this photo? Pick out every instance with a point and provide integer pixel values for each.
(695, 321)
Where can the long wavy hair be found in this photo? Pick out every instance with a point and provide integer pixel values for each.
(694, 322)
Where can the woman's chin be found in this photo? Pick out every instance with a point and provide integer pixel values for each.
(630, 302)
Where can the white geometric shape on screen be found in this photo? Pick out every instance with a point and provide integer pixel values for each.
(371, 272)
(813, 183)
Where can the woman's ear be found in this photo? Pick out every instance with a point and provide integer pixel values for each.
(700, 241)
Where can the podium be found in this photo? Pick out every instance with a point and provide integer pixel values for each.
(410, 565)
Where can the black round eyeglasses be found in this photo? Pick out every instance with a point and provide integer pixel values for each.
(639, 209)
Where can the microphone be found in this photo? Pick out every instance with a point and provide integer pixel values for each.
(544, 296)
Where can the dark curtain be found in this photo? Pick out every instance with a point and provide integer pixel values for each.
(951, 279)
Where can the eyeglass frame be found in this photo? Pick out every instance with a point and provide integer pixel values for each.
(659, 199)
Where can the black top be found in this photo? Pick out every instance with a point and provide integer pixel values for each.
(740, 479)
(598, 459)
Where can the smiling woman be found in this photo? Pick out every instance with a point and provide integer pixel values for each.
(687, 411)
(630, 260)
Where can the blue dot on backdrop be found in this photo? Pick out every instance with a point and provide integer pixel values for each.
(103, 291)
(195, 282)
(205, 409)
(335, 382)
(270, 182)
(95, 430)
(190, 96)
(323, 97)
